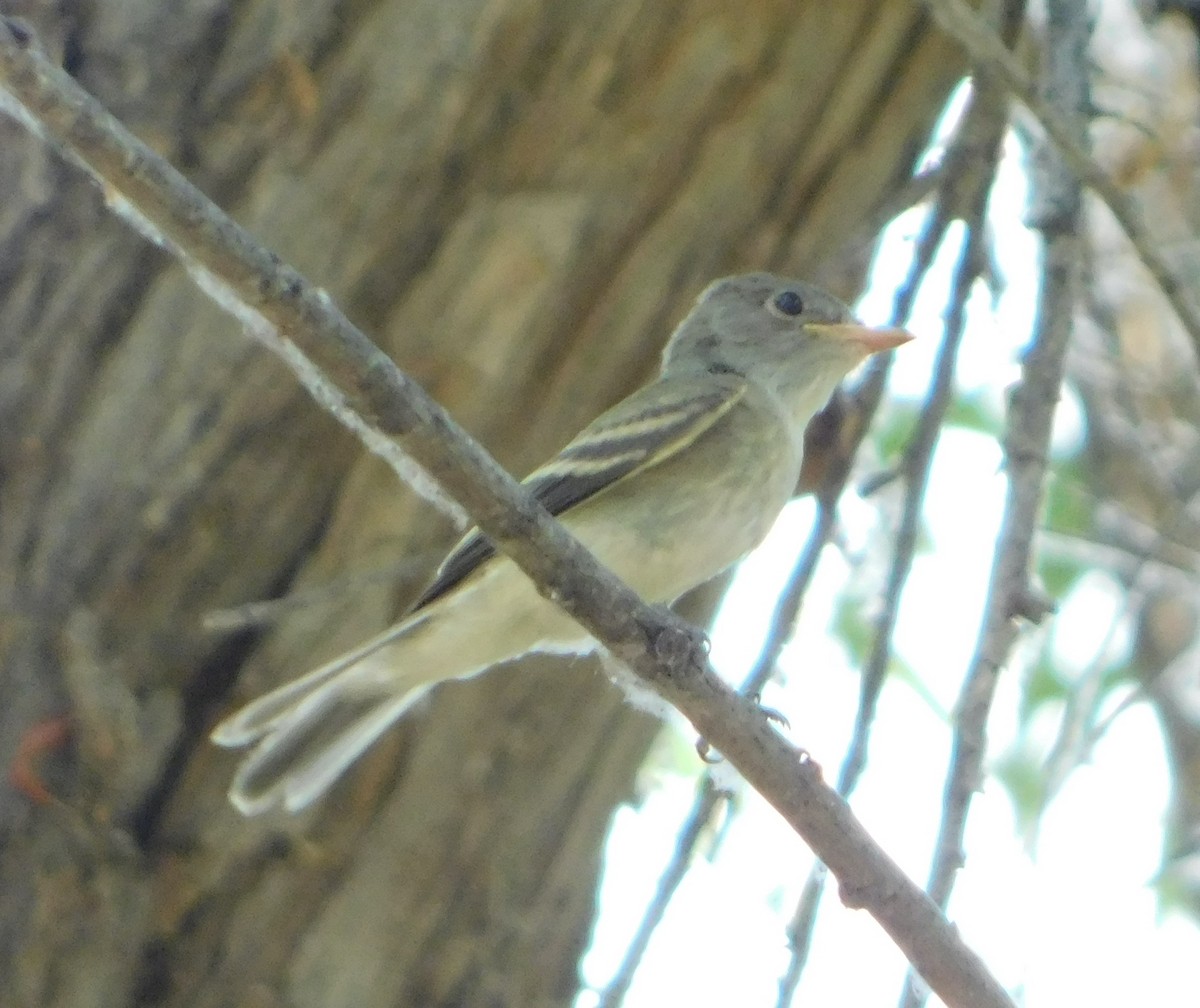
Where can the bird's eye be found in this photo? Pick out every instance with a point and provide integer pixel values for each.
(788, 303)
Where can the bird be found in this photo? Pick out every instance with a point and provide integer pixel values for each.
(668, 488)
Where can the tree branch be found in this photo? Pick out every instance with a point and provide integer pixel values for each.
(965, 180)
(658, 647)
(982, 45)
(1057, 193)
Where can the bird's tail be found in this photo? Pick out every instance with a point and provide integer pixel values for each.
(307, 732)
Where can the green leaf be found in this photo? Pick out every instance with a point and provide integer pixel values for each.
(850, 627)
(892, 432)
(1059, 574)
(1020, 773)
(972, 412)
(1069, 508)
(1044, 684)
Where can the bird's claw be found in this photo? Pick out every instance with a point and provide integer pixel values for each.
(770, 713)
(710, 756)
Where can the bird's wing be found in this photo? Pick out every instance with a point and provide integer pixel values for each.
(641, 431)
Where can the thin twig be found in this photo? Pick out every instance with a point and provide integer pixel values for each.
(1011, 597)
(1079, 731)
(1076, 737)
(969, 167)
(800, 930)
(708, 799)
(254, 283)
(917, 464)
(986, 50)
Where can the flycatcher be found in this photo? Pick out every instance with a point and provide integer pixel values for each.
(668, 488)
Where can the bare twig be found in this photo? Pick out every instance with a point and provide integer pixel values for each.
(967, 172)
(1011, 596)
(708, 799)
(800, 928)
(1078, 730)
(986, 50)
(661, 649)
(918, 462)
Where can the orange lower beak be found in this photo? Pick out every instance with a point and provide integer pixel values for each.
(872, 339)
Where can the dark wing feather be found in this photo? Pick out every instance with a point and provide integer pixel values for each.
(652, 424)
(471, 551)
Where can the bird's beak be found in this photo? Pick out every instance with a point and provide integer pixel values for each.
(872, 339)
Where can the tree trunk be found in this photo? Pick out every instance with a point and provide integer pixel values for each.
(517, 200)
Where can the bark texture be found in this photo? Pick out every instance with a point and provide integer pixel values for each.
(518, 199)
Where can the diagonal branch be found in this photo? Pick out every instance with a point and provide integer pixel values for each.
(254, 283)
(984, 47)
